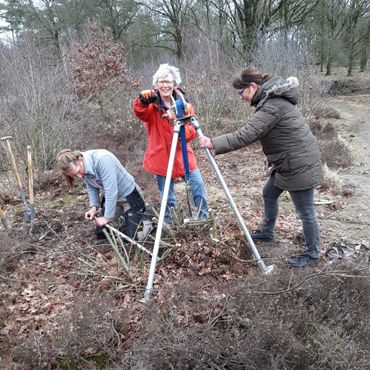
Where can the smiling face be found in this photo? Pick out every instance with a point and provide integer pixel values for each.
(165, 85)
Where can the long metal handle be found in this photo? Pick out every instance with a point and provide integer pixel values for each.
(158, 235)
(126, 237)
(264, 269)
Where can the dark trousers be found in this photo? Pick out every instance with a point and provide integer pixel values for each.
(135, 214)
(304, 205)
(132, 217)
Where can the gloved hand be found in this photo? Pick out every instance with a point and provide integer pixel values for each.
(205, 142)
(148, 96)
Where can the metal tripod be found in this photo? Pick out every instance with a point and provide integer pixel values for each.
(178, 123)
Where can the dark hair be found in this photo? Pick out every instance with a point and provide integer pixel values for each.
(249, 75)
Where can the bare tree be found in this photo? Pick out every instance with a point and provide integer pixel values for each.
(334, 13)
(173, 17)
(365, 48)
(357, 11)
(118, 15)
(248, 20)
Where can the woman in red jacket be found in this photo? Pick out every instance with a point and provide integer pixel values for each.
(152, 107)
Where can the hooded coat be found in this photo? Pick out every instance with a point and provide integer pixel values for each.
(286, 138)
(160, 132)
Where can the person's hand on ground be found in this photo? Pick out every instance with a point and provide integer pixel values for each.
(101, 221)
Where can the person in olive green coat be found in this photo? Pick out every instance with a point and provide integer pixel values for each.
(291, 150)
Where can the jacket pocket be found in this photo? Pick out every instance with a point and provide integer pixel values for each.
(155, 150)
(280, 162)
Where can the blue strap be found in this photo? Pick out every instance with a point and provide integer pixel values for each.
(180, 108)
(184, 150)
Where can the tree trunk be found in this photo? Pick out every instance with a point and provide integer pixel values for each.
(351, 60)
(365, 49)
(329, 62)
(363, 61)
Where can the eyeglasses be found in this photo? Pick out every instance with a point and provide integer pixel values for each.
(241, 92)
(165, 82)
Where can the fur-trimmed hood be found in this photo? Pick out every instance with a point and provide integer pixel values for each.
(277, 87)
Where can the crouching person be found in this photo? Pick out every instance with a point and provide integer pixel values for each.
(104, 175)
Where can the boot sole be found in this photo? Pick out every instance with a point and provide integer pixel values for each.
(313, 263)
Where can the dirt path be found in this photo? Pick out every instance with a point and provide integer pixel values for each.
(353, 220)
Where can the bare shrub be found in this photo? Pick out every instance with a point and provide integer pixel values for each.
(36, 107)
(216, 102)
(325, 112)
(336, 152)
(290, 58)
(323, 130)
(348, 86)
(332, 180)
(91, 330)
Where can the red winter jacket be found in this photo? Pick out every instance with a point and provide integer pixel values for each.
(160, 133)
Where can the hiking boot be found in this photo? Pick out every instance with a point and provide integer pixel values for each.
(259, 235)
(303, 261)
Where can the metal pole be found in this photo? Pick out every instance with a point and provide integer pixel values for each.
(264, 269)
(124, 236)
(149, 287)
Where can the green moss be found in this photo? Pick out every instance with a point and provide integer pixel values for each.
(84, 362)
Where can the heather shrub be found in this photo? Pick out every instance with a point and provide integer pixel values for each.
(336, 152)
(298, 321)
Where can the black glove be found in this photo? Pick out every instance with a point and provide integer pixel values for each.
(147, 96)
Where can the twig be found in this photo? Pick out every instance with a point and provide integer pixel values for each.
(108, 277)
(113, 244)
(117, 334)
(309, 277)
(85, 262)
(215, 319)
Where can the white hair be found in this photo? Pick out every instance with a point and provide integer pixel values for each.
(163, 71)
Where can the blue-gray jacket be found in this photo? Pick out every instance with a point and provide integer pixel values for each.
(104, 172)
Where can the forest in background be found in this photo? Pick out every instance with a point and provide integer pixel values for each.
(335, 31)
